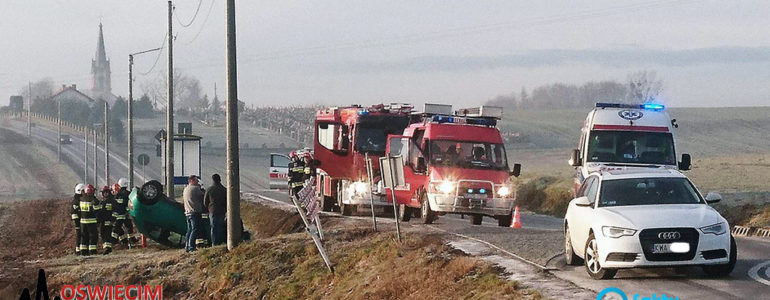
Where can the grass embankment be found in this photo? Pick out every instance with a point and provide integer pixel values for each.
(545, 195)
(282, 263)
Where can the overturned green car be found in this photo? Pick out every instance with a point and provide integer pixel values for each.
(161, 219)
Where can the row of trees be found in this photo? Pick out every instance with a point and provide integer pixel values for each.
(640, 87)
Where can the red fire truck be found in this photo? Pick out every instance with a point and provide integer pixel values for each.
(455, 163)
(344, 138)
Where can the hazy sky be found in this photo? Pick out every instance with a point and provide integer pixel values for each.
(709, 53)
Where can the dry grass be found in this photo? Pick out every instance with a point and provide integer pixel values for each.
(283, 264)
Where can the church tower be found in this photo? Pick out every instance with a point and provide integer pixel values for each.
(100, 71)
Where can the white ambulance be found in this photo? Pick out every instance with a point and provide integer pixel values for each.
(619, 136)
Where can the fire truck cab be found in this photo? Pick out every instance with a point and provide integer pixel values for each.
(454, 163)
(345, 137)
(619, 136)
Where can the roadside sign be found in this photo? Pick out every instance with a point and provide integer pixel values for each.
(143, 159)
(161, 135)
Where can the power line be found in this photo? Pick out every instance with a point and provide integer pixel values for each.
(193, 17)
(203, 26)
(157, 58)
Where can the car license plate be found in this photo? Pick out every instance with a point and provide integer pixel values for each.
(661, 248)
(475, 203)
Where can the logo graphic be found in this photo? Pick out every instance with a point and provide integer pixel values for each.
(671, 235)
(630, 115)
(614, 293)
(611, 293)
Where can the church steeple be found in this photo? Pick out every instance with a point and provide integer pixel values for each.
(100, 70)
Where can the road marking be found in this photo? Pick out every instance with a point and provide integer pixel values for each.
(754, 273)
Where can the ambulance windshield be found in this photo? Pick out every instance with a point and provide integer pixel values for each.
(631, 147)
(477, 155)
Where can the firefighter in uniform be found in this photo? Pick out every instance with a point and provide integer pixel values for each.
(308, 168)
(123, 229)
(75, 213)
(106, 220)
(296, 175)
(89, 208)
(291, 175)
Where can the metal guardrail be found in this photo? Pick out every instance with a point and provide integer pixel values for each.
(751, 231)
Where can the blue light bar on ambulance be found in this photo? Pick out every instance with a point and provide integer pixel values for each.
(647, 106)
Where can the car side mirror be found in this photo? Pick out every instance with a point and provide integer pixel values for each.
(583, 202)
(712, 198)
(686, 162)
(516, 170)
(574, 159)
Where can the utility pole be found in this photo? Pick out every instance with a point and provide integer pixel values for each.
(170, 111)
(131, 115)
(85, 156)
(29, 109)
(233, 181)
(107, 144)
(58, 145)
(130, 121)
(96, 158)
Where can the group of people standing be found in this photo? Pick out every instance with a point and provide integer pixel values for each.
(202, 205)
(107, 217)
(300, 169)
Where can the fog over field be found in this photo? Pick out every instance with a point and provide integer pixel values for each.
(709, 53)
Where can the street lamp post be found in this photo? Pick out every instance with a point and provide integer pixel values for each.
(131, 114)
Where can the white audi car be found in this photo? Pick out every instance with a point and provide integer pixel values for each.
(643, 217)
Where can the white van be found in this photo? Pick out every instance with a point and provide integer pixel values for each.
(618, 136)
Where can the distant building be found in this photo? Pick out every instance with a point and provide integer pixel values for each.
(101, 82)
(16, 103)
(70, 92)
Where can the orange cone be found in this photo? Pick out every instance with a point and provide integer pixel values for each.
(516, 223)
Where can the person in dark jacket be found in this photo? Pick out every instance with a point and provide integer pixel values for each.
(106, 219)
(216, 201)
(123, 228)
(75, 213)
(89, 209)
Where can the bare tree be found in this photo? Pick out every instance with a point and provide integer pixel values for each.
(41, 89)
(187, 90)
(644, 86)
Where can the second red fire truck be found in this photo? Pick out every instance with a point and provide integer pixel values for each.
(455, 163)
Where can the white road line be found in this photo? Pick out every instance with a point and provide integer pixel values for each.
(754, 273)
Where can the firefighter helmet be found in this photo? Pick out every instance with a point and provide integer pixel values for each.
(293, 154)
(123, 182)
(115, 188)
(89, 189)
(105, 189)
(307, 155)
(79, 188)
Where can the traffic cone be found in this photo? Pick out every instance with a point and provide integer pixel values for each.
(516, 222)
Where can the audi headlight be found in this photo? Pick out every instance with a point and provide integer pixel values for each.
(446, 187)
(616, 232)
(504, 191)
(715, 229)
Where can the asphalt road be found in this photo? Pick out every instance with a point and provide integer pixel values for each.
(539, 242)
